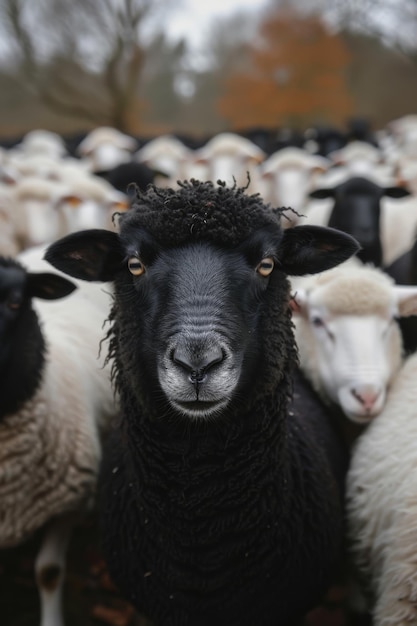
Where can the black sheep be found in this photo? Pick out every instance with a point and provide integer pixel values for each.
(357, 211)
(221, 503)
(126, 177)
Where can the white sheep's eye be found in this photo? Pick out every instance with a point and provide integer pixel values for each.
(135, 265)
(266, 266)
(317, 321)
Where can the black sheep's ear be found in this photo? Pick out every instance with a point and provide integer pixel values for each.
(93, 255)
(48, 286)
(321, 194)
(312, 249)
(396, 192)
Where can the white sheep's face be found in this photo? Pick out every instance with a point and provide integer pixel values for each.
(42, 219)
(352, 358)
(356, 358)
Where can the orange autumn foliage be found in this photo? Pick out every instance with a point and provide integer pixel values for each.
(294, 75)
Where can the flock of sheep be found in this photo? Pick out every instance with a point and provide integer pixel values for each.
(225, 368)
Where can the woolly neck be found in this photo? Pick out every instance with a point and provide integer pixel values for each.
(218, 494)
(218, 517)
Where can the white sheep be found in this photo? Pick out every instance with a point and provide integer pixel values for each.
(47, 209)
(382, 507)
(169, 155)
(87, 200)
(287, 177)
(92, 201)
(38, 215)
(43, 166)
(41, 142)
(105, 147)
(10, 243)
(349, 342)
(229, 157)
(404, 131)
(56, 403)
(360, 157)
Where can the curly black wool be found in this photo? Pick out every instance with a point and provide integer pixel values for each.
(200, 211)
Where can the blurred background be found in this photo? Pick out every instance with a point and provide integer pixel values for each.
(154, 66)
(273, 70)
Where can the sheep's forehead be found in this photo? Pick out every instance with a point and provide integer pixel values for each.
(38, 189)
(354, 293)
(223, 216)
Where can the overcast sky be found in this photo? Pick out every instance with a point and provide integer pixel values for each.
(193, 17)
(394, 18)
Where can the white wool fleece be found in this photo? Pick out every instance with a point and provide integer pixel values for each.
(382, 504)
(50, 449)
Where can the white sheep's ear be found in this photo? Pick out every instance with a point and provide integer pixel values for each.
(311, 249)
(94, 255)
(406, 296)
(298, 302)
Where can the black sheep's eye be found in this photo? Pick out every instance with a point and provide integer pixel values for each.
(266, 266)
(135, 265)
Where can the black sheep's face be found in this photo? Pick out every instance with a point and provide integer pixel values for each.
(17, 288)
(12, 299)
(357, 211)
(198, 310)
(198, 320)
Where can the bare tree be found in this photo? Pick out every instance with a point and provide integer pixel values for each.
(63, 49)
(394, 22)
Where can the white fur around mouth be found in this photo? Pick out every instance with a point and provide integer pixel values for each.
(199, 408)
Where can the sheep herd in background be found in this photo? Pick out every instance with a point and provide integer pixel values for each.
(264, 380)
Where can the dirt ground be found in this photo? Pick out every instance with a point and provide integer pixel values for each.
(90, 599)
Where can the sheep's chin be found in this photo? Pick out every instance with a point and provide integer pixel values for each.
(199, 410)
(359, 418)
(354, 410)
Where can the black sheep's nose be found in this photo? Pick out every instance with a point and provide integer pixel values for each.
(196, 364)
